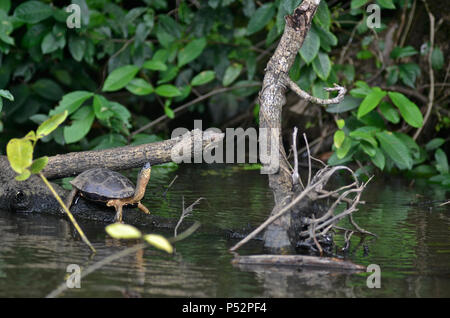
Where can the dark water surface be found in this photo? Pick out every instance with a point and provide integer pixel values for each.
(412, 248)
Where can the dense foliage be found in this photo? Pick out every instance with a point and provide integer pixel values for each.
(131, 62)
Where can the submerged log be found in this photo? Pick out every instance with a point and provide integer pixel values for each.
(299, 261)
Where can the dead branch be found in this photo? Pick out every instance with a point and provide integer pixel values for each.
(297, 260)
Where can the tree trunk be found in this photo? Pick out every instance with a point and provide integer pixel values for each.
(272, 98)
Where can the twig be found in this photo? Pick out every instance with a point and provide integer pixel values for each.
(169, 186)
(185, 213)
(341, 93)
(431, 73)
(72, 219)
(309, 159)
(295, 176)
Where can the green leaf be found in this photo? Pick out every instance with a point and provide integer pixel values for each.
(322, 65)
(119, 78)
(48, 89)
(167, 90)
(434, 144)
(191, 51)
(395, 149)
(24, 175)
(82, 121)
(340, 123)
(155, 65)
(169, 112)
(361, 91)
(408, 73)
(437, 58)
(348, 103)
(260, 18)
(48, 126)
(39, 164)
(123, 231)
(368, 149)
(5, 5)
(203, 78)
(20, 154)
(409, 111)
(360, 134)
(49, 43)
(102, 108)
(323, 16)
(345, 147)
(399, 52)
(370, 101)
(378, 160)
(358, 3)
(6, 94)
(338, 138)
(77, 47)
(159, 242)
(231, 73)
(310, 46)
(389, 112)
(140, 87)
(72, 101)
(33, 11)
(441, 161)
(387, 4)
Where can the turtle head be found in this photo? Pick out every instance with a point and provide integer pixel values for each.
(142, 181)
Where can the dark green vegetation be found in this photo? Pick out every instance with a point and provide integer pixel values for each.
(133, 70)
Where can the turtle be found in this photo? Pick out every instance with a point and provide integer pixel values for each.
(112, 188)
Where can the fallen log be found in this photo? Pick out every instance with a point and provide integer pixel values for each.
(299, 261)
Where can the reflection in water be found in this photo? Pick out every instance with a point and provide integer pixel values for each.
(412, 248)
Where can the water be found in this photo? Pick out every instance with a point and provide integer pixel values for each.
(412, 248)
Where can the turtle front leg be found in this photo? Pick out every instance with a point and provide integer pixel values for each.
(143, 208)
(118, 205)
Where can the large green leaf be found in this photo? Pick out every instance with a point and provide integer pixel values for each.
(72, 101)
(231, 73)
(408, 73)
(389, 112)
(437, 59)
(82, 121)
(409, 111)
(378, 160)
(322, 65)
(348, 103)
(395, 149)
(48, 126)
(434, 144)
(310, 46)
(203, 78)
(77, 47)
(358, 3)
(191, 51)
(371, 101)
(33, 11)
(338, 138)
(20, 154)
(139, 86)
(441, 161)
(260, 18)
(167, 90)
(119, 78)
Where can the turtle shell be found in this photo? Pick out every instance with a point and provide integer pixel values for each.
(100, 184)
